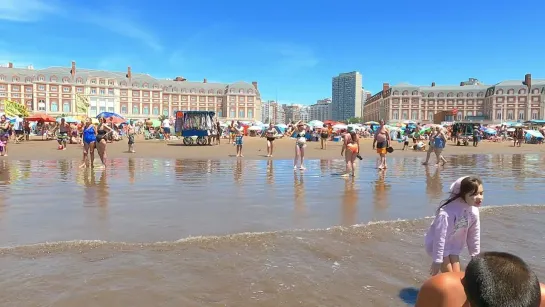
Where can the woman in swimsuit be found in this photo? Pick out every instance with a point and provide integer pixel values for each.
(350, 150)
(382, 141)
(270, 134)
(324, 135)
(4, 135)
(300, 144)
(89, 142)
(102, 132)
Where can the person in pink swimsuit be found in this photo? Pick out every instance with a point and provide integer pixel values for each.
(350, 150)
(456, 224)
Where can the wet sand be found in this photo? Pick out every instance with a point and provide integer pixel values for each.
(254, 148)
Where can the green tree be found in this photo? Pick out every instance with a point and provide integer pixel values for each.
(162, 117)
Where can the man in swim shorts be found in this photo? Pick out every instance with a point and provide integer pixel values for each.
(492, 279)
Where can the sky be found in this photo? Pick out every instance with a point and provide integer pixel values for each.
(291, 48)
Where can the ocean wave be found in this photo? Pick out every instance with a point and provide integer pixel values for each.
(370, 228)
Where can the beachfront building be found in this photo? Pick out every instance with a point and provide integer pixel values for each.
(346, 96)
(510, 100)
(321, 110)
(133, 95)
(272, 112)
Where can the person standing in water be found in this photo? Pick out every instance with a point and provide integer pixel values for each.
(382, 142)
(270, 134)
(439, 143)
(324, 135)
(431, 147)
(102, 132)
(350, 150)
(239, 141)
(131, 135)
(4, 135)
(300, 144)
(89, 143)
(456, 224)
(64, 129)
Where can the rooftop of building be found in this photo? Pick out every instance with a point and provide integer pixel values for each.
(59, 73)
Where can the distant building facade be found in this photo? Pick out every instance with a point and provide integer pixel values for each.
(321, 110)
(346, 99)
(511, 100)
(133, 95)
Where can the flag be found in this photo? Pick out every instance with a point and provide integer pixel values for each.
(82, 104)
(12, 109)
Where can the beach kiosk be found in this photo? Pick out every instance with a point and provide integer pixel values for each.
(195, 127)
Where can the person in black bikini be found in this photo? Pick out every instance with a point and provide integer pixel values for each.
(102, 133)
(324, 135)
(270, 134)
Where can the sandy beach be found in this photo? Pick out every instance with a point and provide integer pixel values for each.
(254, 148)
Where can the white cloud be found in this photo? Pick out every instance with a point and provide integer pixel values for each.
(26, 10)
(115, 21)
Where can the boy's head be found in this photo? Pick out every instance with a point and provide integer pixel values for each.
(495, 279)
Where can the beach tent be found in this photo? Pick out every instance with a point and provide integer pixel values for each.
(490, 131)
(533, 133)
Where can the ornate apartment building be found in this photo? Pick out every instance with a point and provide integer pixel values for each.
(510, 100)
(53, 90)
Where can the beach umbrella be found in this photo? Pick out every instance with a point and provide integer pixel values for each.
(255, 128)
(108, 115)
(67, 119)
(490, 131)
(371, 123)
(340, 127)
(511, 130)
(316, 123)
(423, 130)
(283, 126)
(41, 117)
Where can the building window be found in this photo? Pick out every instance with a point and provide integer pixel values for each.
(459, 116)
(499, 114)
(250, 113)
(219, 92)
(93, 111)
(404, 115)
(193, 99)
(93, 91)
(430, 115)
(110, 82)
(66, 107)
(102, 92)
(110, 92)
(111, 109)
(220, 113)
(521, 115)
(41, 87)
(54, 107)
(469, 113)
(145, 110)
(431, 95)
(232, 114)
(66, 89)
(470, 94)
(124, 109)
(93, 81)
(450, 94)
(202, 99)
(165, 112)
(395, 114)
(79, 89)
(41, 105)
(510, 115)
(414, 115)
(79, 81)
(220, 99)
(396, 93)
(192, 91)
(135, 110)
(155, 110)
(53, 88)
(535, 114)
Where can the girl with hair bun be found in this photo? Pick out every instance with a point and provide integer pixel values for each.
(456, 225)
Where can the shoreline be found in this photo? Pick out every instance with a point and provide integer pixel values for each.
(253, 149)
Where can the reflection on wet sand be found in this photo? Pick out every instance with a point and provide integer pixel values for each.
(349, 203)
(270, 172)
(225, 196)
(381, 191)
(299, 194)
(434, 185)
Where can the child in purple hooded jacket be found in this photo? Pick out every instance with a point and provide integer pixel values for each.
(456, 224)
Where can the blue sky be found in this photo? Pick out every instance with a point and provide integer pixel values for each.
(292, 48)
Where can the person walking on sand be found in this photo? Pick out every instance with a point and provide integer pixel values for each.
(456, 224)
(431, 145)
(89, 143)
(324, 135)
(382, 142)
(350, 150)
(300, 144)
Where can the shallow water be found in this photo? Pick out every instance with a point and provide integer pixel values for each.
(228, 230)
